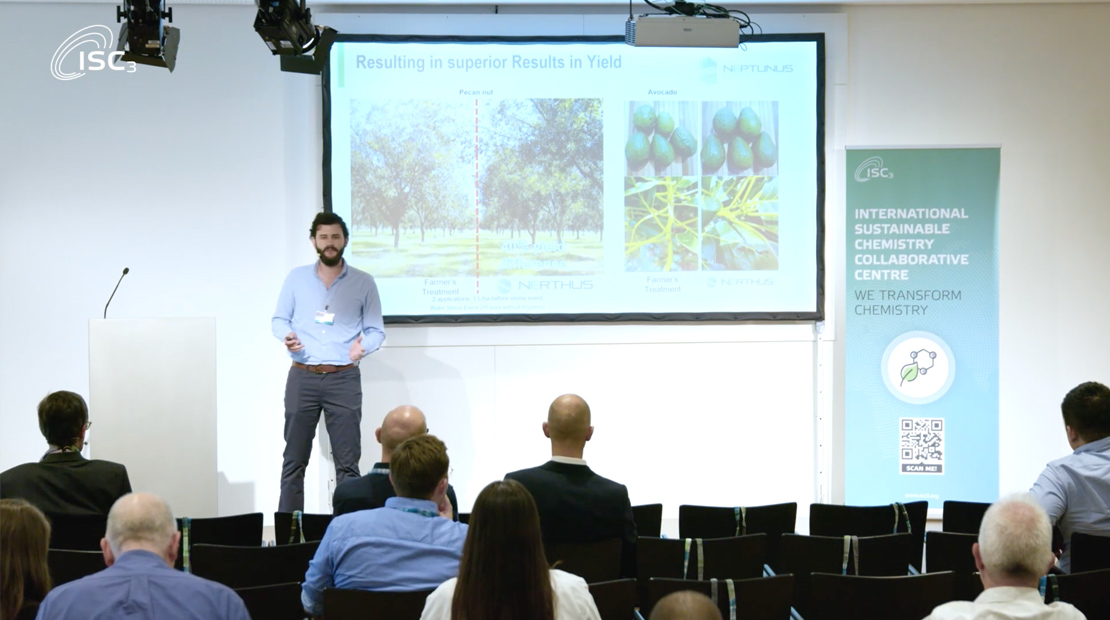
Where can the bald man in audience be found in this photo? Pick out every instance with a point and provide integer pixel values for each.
(1013, 553)
(371, 491)
(575, 504)
(685, 605)
(140, 582)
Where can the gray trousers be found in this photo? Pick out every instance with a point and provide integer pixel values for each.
(339, 396)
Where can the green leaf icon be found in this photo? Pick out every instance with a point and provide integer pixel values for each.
(909, 372)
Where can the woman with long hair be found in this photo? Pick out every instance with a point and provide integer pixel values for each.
(24, 576)
(503, 574)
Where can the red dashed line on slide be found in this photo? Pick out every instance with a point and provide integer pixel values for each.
(476, 231)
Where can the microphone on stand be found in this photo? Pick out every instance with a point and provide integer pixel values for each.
(125, 271)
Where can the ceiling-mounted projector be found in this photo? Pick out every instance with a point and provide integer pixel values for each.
(681, 31)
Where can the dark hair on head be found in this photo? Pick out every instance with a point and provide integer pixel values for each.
(1086, 409)
(62, 415)
(417, 465)
(326, 218)
(503, 574)
(24, 538)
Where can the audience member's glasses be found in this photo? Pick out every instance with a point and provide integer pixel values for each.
(87, 425)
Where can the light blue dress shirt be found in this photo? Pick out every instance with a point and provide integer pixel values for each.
(141, 586)
(1075, 492)
(403, 547)
(353, 298)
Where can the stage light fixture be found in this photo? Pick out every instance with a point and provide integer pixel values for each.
(144, 37)
(286, 28)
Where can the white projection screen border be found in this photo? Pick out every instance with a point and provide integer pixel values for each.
(578, 179)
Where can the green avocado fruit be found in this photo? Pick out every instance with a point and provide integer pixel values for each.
(684, 142)
(661, 152)
(739, 154)
(724, 123)
(766, 153)
(644, 118)
(749, 124)
(664, 123)
(637, 150)
(712, 155)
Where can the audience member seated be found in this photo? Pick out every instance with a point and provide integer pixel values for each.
(410, 544)
(504, 573)
(575, 504)
(140, 582)
(685, 605)
(1075, 490)
(371, 491)
(1013, 553)
(64, 482)
(24, 574)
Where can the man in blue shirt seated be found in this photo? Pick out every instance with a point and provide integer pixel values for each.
(140, 581)
(410, 544)
(1075, 490)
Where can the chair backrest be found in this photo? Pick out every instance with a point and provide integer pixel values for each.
(275, 602)
(1086, 591)
(649, 519)
(77, 532)
(67, 565)
(246, 567)
(877, 556)
(963, 517)
(309, 527)
(243, 530)
(720, 521)
(364, 605)
(946, 551)
(739, 557)
(763, 598)
(834, 597)
(1089, 552)
(615, 600)
(464, 517)
(594, 562)
(836, 520)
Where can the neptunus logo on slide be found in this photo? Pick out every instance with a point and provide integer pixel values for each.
(103, 56)
(872, 168)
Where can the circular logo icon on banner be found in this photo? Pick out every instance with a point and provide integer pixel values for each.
(918, 367)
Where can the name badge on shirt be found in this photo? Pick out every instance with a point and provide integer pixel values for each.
(325, 318)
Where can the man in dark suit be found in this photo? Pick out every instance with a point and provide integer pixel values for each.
(64, 482)
(575, 504)
(371, 491)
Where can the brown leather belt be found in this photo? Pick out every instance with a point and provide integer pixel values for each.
(323, 369)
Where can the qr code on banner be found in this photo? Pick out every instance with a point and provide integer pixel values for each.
(921, 445)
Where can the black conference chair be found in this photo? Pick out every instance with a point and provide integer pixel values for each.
(1089, 592)
(243, 530)
(649, 519)
(1089, 552)
(311, 527)
(77, 532)
(718, 522)
(594, 562)
(963, 517)
(739, 557)
(763, 598)
(464, 517)
(364, 605)
(247, 567)
(275, 602)
(911, 597)
(67, 565)
(615, 600)
(836, 520)
(949, 551)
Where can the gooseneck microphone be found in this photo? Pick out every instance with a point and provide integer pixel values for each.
(125, 270)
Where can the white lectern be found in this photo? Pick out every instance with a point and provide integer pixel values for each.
(152, 397)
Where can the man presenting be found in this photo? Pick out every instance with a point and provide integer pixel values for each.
(329, 317)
